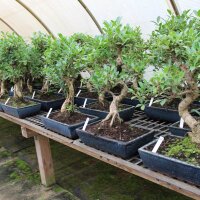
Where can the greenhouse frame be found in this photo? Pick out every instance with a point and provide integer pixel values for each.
(108, 90)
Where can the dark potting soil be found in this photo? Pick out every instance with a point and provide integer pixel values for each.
(180, 148)
(121, 132)
(173, 105)
(74, 118)
(47, 96)
(105, 107)
(4, 98)
(20, 104)
(91, 95)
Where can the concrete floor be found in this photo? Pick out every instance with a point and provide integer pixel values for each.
(78, 176)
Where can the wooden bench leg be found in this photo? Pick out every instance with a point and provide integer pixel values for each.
(45, 161)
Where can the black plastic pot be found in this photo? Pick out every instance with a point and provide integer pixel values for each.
(162, 114)
(46, 105)
(1, 109)
(79, 101)
(10, 93)
(170, 166)
(65, 129)
(197, 103)
(22, 112)
(129, 101)
(176, 130)
(121, 149)
(124, 114)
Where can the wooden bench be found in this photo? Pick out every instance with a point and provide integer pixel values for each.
(32, 127)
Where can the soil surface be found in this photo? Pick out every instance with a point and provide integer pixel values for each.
(3, 99)
(105, 107)
(20, 104)
(173, 105)
(92, 95)
(74, 118)
(122, 132)
(180, 148)
(47, 96)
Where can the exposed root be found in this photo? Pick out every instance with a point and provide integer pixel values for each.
(195, 134)
(114, 112)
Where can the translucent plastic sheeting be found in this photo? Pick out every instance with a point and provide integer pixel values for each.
(186, 4)
(135, 12)
(4, 27)
(18, 18)
(63, 16)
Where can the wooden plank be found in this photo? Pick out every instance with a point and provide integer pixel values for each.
(168, 182)
(28, 133)
(45, 161)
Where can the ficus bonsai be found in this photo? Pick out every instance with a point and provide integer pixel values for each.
(175, 45)
(122, 46)
(38, 45)
(63, 59)
(116, 53)
(107, 78)
(14, 58)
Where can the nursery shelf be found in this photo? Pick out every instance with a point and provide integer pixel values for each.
(33, 127)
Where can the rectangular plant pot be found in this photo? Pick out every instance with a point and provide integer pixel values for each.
(197, 103)
(79, 101)
(46, 105)
(121, 149)
(22, 112)
(65, 129)
(124, 114)
(170, 166)
(162, 114)
(129, 101)
(176, 130)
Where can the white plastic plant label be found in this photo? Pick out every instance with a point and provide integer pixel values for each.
(59, 91)
(7, 101)
(85, 103)
(81, 84)
(33, 95)
(181, 123)
(158, 143)
(151, 101)
(86, 123)
(78, 93)
(49, 112)
(85, 74)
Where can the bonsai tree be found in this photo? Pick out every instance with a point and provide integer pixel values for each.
(118, 52)
(39, 44)
(175, 48)
(13, 58)
(121, 46)
(63, 59)
(105, 79)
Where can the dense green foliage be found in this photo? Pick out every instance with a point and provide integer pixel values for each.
(174, 49)
(14, 56)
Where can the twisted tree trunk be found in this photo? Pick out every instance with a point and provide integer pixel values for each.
(183, 107)
(69, 101)
(89, 86)
(18, 95)
(45, 87)
(3, 88)
(135, 83)
(114, 112)
(101, 98)
(29, 84)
